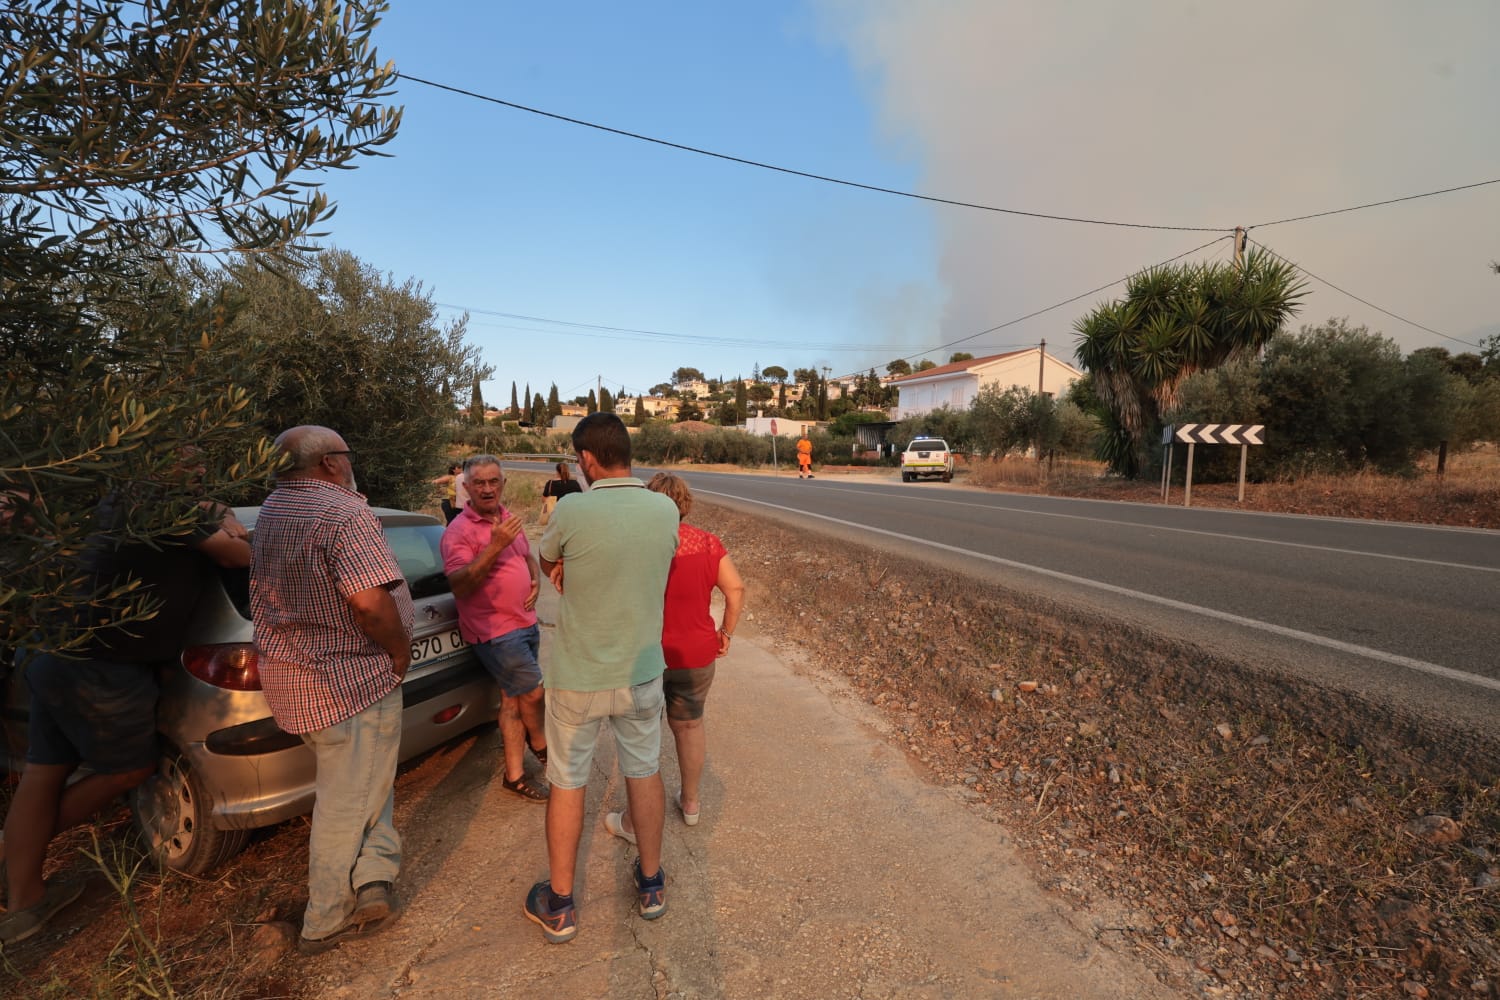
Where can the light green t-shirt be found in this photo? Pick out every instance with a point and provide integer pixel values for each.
(615, 543)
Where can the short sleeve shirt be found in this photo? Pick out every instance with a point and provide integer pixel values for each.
(615, 543)
(315, 545)
(689, 638)
(498, 605)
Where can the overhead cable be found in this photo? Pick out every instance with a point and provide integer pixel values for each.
(1356, 298)
(1376, 204)
(1064, 302)
(804, 173)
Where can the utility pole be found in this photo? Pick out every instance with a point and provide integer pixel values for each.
(1239, 248)
(1041, 378)
(1041, 372)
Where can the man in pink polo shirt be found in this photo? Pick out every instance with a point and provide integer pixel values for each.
(495, 581)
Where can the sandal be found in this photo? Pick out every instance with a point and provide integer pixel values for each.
(523, 787)
(540, 755)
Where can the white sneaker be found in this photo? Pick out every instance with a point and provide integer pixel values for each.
(613, 823)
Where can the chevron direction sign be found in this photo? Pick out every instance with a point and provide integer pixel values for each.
(1221, 433)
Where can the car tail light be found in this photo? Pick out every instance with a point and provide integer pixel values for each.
(229, 665)
(448, 714)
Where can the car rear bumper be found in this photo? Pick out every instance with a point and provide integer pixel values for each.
(261, 775)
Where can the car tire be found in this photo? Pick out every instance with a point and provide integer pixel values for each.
(171, 811)
(947, 477)
(906, 477)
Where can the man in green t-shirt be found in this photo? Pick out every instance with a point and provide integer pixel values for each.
(614, 545)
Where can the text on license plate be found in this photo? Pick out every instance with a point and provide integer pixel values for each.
(430, 647)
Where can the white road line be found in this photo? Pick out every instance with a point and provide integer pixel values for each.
(929, 500)
(1421, 666)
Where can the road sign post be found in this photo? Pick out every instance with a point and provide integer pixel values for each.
(1243, 435)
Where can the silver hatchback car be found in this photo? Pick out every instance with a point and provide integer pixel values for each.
(226, 767)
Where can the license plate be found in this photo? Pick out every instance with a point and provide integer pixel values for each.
(439, 644)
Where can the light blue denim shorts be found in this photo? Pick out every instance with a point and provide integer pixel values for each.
(573, 720)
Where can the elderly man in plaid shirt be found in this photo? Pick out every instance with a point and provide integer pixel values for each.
(333, 620)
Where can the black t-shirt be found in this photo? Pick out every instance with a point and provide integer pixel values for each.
(176, 574)
(561, 487)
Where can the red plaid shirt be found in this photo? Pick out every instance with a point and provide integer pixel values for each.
(315, 544)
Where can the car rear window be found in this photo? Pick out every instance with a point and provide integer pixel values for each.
(418, 553)
(927, 446)
(417, 550)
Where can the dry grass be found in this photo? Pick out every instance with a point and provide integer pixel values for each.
(1251, 827)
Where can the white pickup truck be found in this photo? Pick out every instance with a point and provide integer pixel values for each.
(927, 457)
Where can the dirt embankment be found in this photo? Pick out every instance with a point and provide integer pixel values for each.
(1269, 837)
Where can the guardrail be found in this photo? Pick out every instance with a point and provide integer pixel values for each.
(519, 456)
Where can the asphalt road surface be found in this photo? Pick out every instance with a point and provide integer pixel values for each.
(1407, 614)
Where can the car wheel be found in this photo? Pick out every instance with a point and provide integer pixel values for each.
(171, 810)
(906, 477)
(947, 477)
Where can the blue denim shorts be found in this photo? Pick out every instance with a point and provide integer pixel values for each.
(511, 660)
(573, 720)
(97, 713)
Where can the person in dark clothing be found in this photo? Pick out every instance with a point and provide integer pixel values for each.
(96, 707)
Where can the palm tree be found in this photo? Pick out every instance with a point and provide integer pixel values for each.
(1175, 321)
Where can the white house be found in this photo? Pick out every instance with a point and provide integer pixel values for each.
(955, 385)
(787, 427)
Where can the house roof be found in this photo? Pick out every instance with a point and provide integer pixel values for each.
(959, 366)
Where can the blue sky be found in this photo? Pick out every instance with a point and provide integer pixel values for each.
(1170, 113)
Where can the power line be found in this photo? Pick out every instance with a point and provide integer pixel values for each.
(1356, 298)
(1064, 302)
(605, 332)
(1376, 204)
(802, 173)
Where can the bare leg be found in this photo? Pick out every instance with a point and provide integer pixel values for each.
(533, 706)
(648, 806)
(512, 735)
(42, 808)
(692, 747)
(564, 828)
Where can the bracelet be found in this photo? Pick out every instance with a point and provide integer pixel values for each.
(727, 635)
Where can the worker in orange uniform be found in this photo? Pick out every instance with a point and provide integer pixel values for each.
(804, 456)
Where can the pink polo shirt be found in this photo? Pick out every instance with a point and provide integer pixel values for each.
(498, 606)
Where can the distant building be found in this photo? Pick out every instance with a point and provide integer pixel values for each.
(786, 427)
(955, 385)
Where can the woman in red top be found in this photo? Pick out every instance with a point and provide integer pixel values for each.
(691, 642)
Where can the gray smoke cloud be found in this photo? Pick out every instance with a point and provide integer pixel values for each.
(1194, 114)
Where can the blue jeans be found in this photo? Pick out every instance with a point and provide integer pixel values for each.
(353, 841)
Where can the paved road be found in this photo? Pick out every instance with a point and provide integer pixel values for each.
(1405, 612)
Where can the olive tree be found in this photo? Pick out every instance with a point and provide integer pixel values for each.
(136, 134)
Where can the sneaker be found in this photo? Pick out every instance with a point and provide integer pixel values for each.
(372, 902)
(614, 823)
(690, 818)
(18, 925)
(652, 892)
(557, 925)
